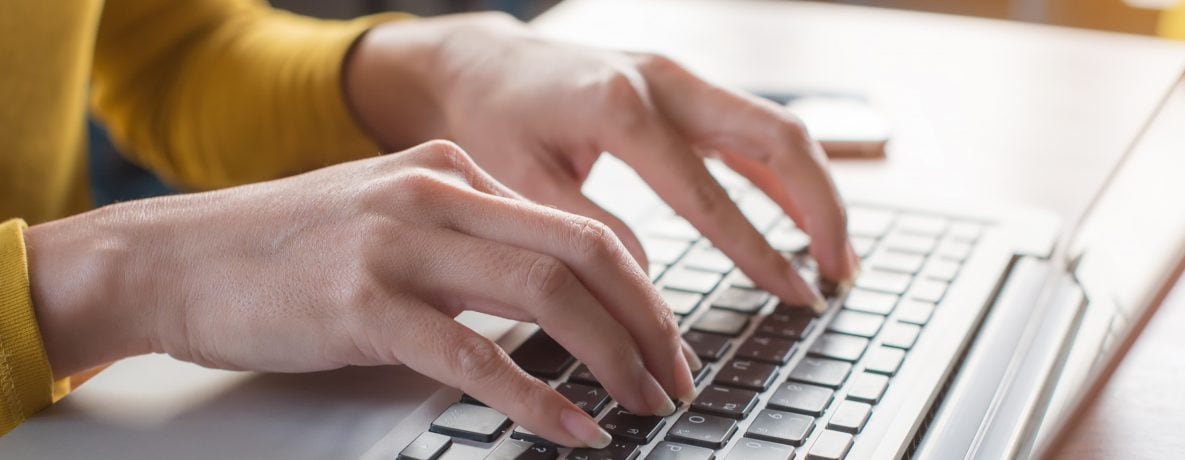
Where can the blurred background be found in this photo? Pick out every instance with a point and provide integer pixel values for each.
(114, 179)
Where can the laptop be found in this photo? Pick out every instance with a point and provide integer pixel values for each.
(973, 332)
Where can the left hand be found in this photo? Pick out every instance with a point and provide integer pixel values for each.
(537, 114)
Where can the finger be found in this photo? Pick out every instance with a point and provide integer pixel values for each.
(601, 263)
(567, 196)
(516, 283)
(666, 162)
(439, 347)
(760, 130)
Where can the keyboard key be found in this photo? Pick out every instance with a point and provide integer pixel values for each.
(760, 210)
(708, 259)
(681, 303)
(830, 445)
(801, 398)
(722, 322)
(542, 356)
(750, 375)
(899, 262)
(788, 239)
(698, 376)
(868, 387)
(728, 402)
(583, 375)
(922, 225)
(964, 231)
(870, 301)
(767, 350)
(900, 335)
(634, 428)
(862, 245)
(951, 249)
(789, 324)
(476, 423)
(888, 282)
(663, 251)
(617, 450)
(656, 271)
(868, 222)
(856, 323)
(514, 449)
(703, 430)
(915, 312)
(821, 371)
(928, 290)
(465, 398)
(741, 280)
(915, 244)
(667, 450)
(839, 346)
(941, 270)
(750, 449)
(426, 446)
(884, 360)
(674, 228)
(685, 279)
(850, 417)
(591, 399)
(708, 347)
(782, 427)
(522, 434)
(741, 300)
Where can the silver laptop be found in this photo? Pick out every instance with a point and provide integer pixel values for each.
(972, 333)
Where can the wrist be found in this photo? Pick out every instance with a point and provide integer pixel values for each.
(78, 279)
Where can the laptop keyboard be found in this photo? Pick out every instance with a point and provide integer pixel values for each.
(778, 382)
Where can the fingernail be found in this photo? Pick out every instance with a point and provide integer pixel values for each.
(692, 359)
(819, 306)
(657, 398)
(584, 428)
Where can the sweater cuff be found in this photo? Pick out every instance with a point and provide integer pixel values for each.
(26, 381)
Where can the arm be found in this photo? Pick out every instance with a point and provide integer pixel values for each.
(215, 93)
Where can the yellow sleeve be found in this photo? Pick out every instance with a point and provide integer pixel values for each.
(1172, 22)
(215, 93)
(26, 382)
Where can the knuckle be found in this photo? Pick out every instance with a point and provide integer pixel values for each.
(593, 239)
(448, 155)
(547, 277)
(790, 130)
(657, 62)
(627, 99)
(478, 360)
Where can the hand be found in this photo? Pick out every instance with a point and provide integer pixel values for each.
(364, 263)
(537, 114)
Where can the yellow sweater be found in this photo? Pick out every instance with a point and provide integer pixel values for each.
(205, 93)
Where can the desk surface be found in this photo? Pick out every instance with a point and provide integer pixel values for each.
(983, 110)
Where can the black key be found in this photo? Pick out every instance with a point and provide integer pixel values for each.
(634, 428)
(529, 436)
(618, 450)
(685, 279)
(722, 322)
(513, 449)
(752, 449)
(667, 450)
(850, 417)
(741, 300)
(821, 371)
(542, 356)
(830, 445)
(729, 402)
(884, 360)
(782, 427)
(856, 323)
(467, 421)
(839, 346)
(703, 430)
(699, 375)
(801, 398)
(750, 375)
(767, 349)
(786, 324)
(709, 347)
(591, 399)
(583, 375)
(426, 446)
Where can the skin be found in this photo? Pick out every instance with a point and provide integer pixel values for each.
(366, 263)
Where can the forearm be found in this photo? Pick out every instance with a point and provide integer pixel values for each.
(79, 281)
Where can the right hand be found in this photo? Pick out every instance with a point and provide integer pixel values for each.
(364, 263)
